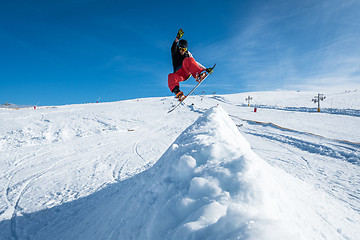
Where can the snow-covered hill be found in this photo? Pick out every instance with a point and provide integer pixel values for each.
(14, 106)
(211, 170)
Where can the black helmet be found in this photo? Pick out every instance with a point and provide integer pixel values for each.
(183, 43)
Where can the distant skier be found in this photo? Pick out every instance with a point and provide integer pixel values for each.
(184, 66)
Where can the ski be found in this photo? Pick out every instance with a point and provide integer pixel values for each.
(191, 91)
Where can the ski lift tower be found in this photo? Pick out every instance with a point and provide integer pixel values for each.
(317, 99)
(248, 99)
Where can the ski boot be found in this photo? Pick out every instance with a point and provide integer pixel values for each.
(201, 76)
(180, 96)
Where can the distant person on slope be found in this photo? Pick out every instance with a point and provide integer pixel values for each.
(184, 66)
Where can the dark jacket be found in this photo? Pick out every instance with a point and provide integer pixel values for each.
(177, 58)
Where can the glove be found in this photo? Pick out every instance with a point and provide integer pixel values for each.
(180, 34)
(209, 70)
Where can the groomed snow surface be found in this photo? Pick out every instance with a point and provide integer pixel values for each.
(213, 169)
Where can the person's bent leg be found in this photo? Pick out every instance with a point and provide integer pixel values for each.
(173, 82)
(192, 67)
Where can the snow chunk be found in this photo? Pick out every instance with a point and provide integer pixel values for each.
(185, 166)
(202, 187)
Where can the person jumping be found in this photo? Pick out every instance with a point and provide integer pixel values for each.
(184, 65)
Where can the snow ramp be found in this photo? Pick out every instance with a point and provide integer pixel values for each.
(208, 185)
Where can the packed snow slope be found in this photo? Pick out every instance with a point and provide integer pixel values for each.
(129, 170)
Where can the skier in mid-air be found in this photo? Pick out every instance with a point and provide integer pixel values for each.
(184, 65)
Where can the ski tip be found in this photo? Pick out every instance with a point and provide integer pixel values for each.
(213, 66)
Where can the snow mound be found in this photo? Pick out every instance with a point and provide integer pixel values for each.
(213, 186)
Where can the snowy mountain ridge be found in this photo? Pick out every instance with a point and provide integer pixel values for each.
(13, 106)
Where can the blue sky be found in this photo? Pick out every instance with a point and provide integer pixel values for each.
(64, 52)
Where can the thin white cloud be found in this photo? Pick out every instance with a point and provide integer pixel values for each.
(289, 46)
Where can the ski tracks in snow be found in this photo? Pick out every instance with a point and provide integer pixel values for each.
(305, 155)
(20, 188)
(136, 150)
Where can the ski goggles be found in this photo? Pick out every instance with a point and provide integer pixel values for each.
(182, 49)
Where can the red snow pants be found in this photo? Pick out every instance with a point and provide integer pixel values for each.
(189, 67)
